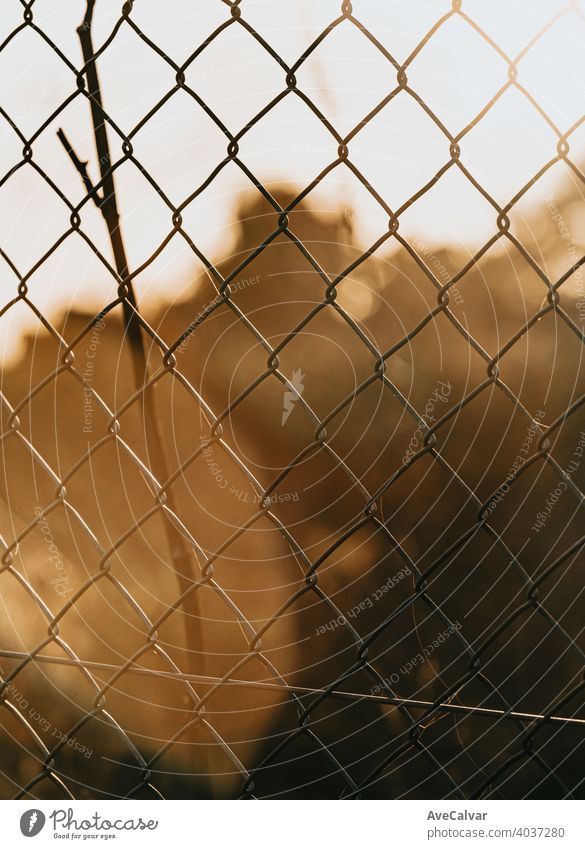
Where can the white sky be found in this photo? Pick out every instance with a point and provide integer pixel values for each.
(456, 74)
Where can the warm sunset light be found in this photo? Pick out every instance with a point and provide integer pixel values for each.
(291, 415)
(457, 74)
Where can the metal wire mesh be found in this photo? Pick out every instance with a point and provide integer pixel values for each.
(452, 668)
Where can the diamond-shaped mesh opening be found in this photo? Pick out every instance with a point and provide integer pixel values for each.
(145, 72)
(179, 117)
(296, 158)
(343, 52)
(535, 373)
(404, 145)
(548, 223)
(254, 82)
(500, 294)
(450, 207)
(539, 74)
(471, 73)
(44, 211)
(29, 112)
(509, 162)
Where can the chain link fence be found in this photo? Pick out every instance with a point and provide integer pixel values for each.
(264, 541)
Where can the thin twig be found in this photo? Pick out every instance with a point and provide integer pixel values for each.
(180, 553)
(81, 168)
(109, 204)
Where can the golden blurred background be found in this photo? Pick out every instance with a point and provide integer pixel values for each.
(405, 389)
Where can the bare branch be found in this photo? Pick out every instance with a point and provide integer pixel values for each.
(180, 553)
(109, 205)
(81, 167)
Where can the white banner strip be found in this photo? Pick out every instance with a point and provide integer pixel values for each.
(290, 824)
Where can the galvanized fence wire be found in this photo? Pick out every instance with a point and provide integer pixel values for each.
(419, 714)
